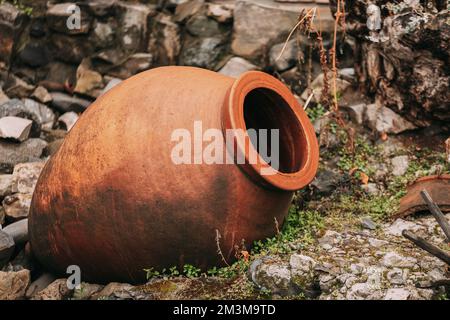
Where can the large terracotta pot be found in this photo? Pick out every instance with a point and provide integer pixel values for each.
(113, 202)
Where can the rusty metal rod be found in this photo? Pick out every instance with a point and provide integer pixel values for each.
(430, 248)
(437, 213)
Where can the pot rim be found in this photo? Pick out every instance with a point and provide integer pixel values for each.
(233, 118)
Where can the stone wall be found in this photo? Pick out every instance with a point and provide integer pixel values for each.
(117, 39)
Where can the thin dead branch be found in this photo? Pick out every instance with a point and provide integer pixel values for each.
(428, 247)
(437, 213)
(219, 250)
(310, 14)
(277, 226)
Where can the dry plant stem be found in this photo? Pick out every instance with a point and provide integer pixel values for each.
(323, 61)
(333, 57)
(437, 213)
(219, 251)
(339, 20)
(309, 13)
(277, 226)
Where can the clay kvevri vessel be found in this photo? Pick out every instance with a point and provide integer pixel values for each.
(113, 202)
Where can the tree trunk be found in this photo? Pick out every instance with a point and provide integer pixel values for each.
(402, 55)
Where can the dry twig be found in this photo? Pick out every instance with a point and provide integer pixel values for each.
(219, 251)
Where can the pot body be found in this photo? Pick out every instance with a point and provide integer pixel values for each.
(113, 202)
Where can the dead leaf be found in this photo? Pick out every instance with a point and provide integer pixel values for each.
(245, 255)
(364, 178)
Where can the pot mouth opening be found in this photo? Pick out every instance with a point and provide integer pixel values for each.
(274, 130)
(279, 143)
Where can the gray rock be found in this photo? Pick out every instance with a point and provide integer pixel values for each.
(302, 265)
(41, 94)
(89, 82)
(112, 290)
(397, 294)
(390, 122)
(321, 123)
(303, 273)
(436, 275)
(370, 116)
(57, 290)
(276, 278)
(53, 147)
(71, 49)
(381, 171)
(40, 113)
(23, 260)
(132, 25)
(39, 284)
(6, 185)
(237, 66)
(13, 22)
(382, 119)
(367, 223)
(65, 103)
(399, 225)
(17, 88)
(15, 128)
(288, 59)
(326, 182)
(370, 188)
(104, 34)
(134, 64)
(396, 276)
(164, 40)
(68, 119)
(58, 18)
(60, 73)
(356, 113)
(101, 8)
(13, 153)
(17, 206)
(222, 13)
(25, 176)
(42, 116)
(203, 53)
(393, 259)
(393, 146)
(3, 97)
(6, 248)
(330, 238)
(14, 284)
(202, 26)
(86, 291)
(358, 291)
(175, 3)
(357, 268)
(260, 24)
(34, 54)
(399, 165)
(377, 243)
(111, 84)
(18, 231)
(347, 74)
(327, 282)
(317, 87)
(187, 9)
(37, 28)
